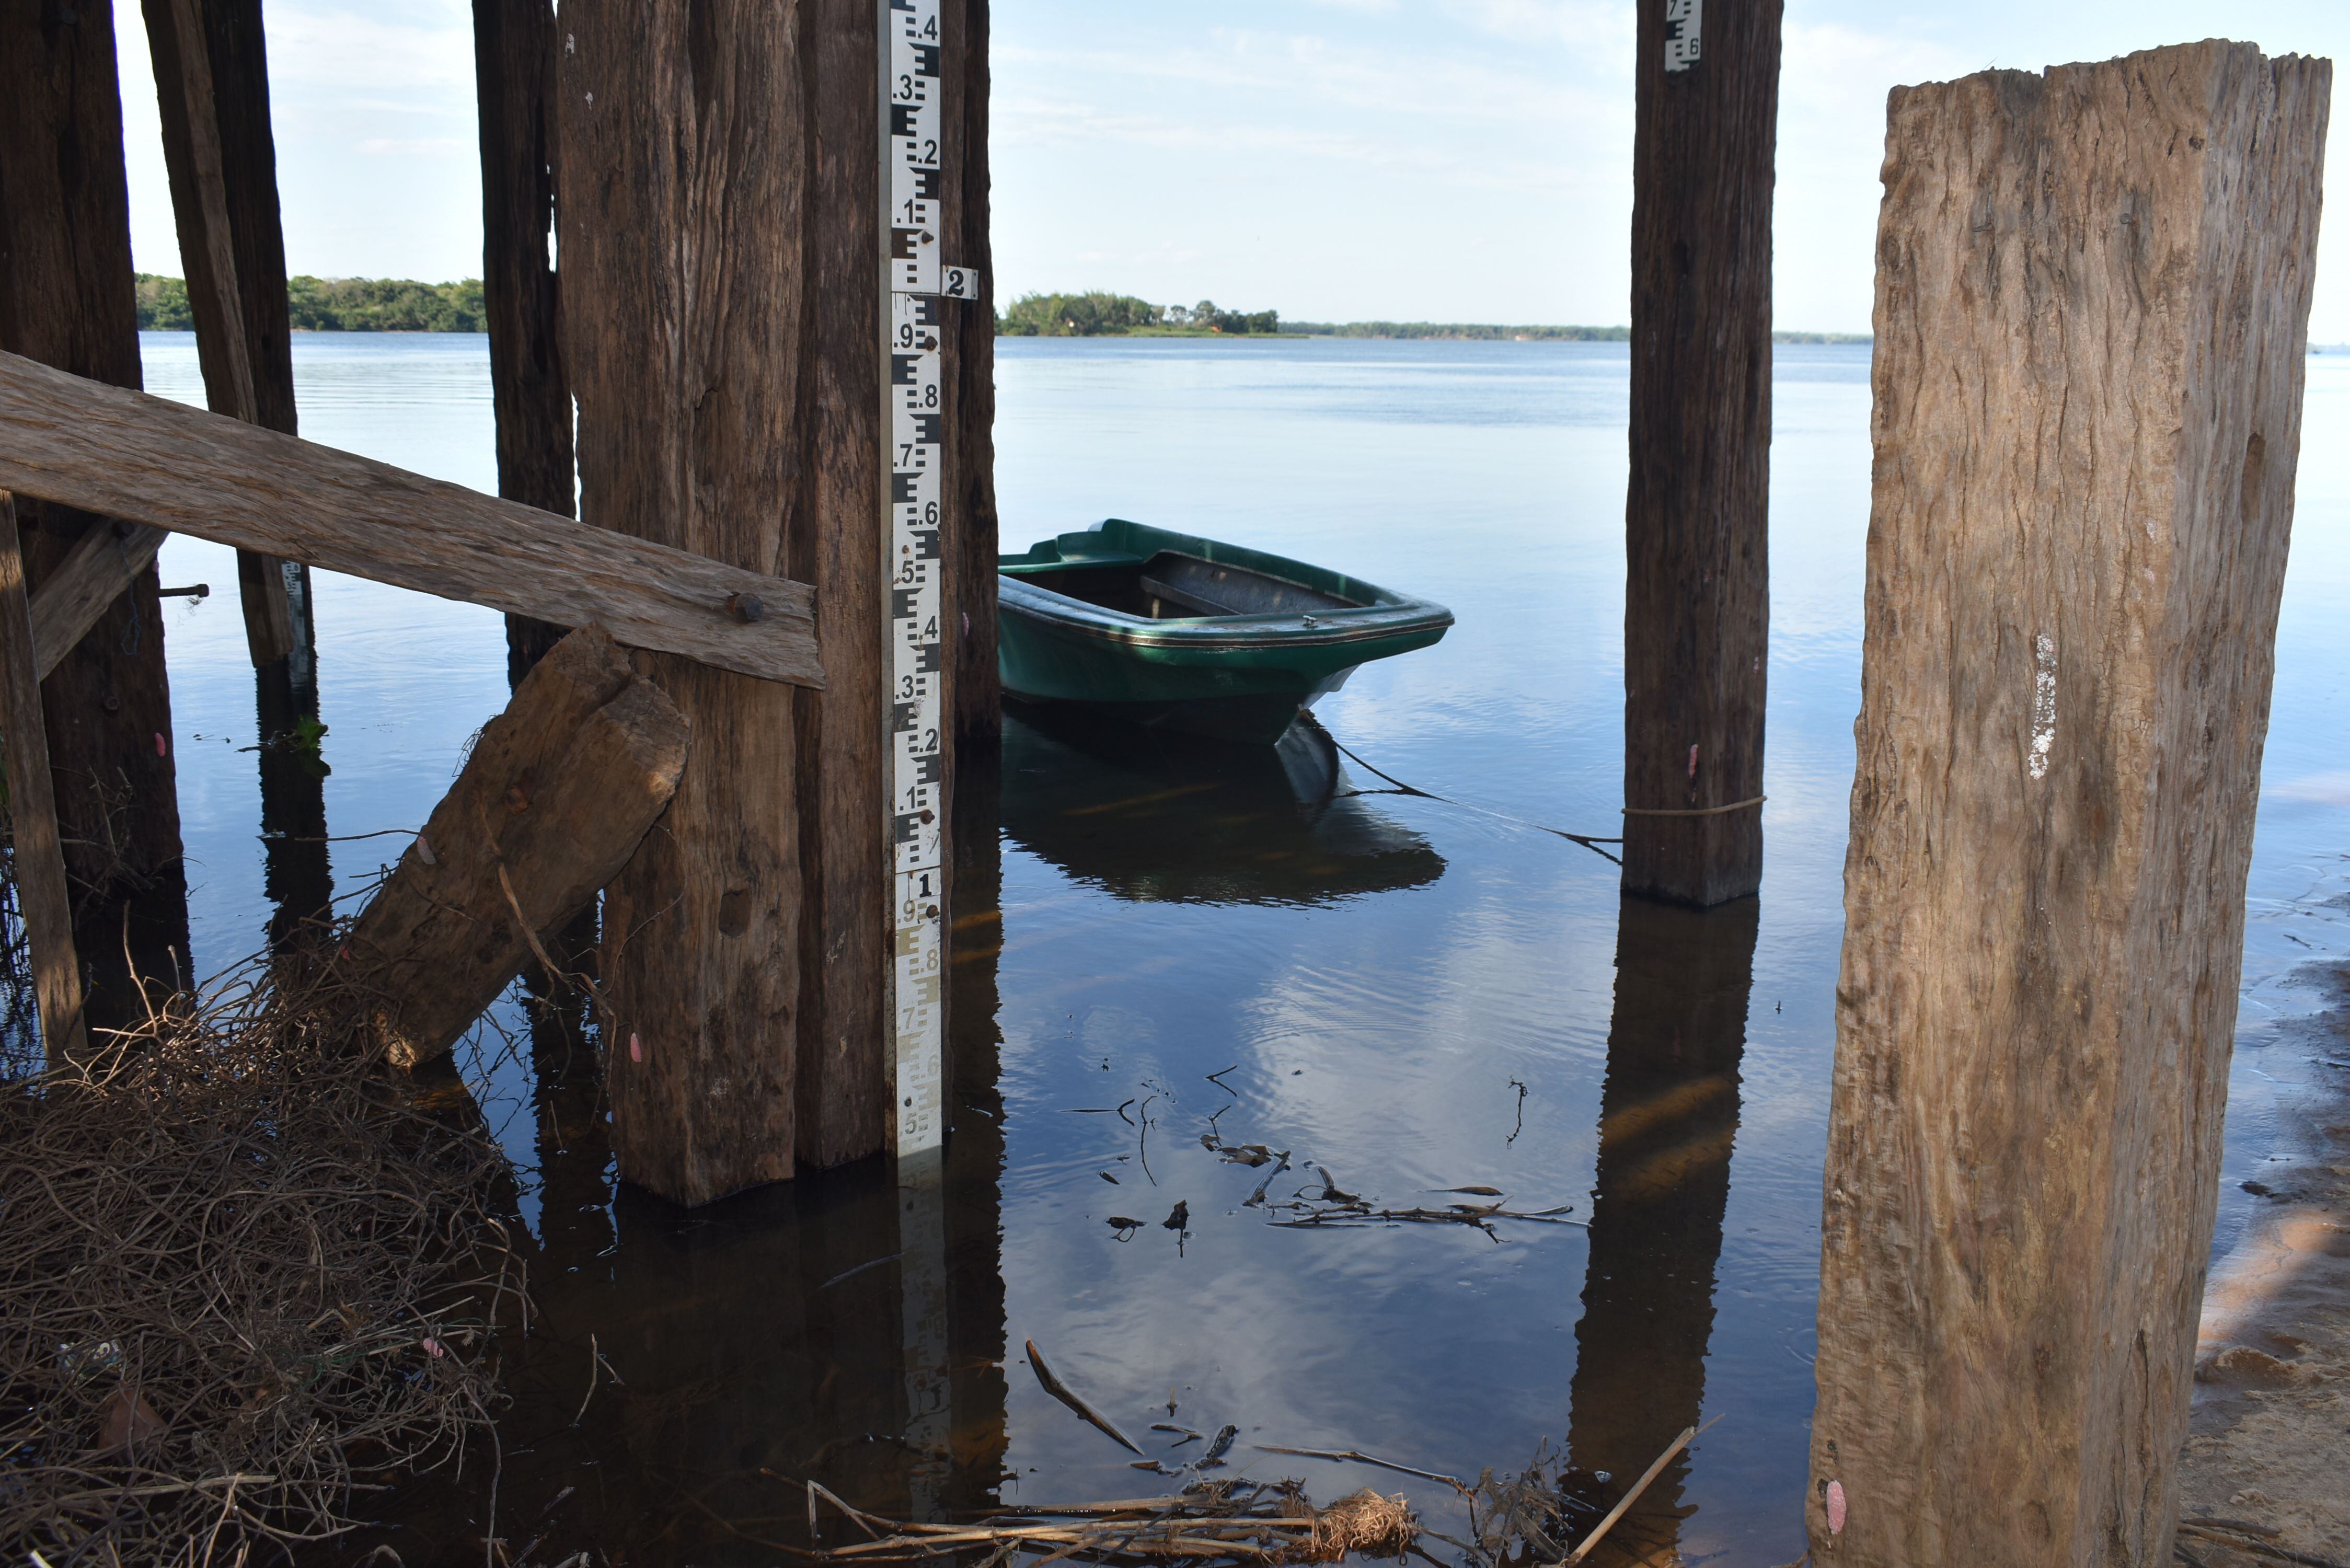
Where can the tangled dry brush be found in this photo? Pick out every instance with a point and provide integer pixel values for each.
(243, 1273)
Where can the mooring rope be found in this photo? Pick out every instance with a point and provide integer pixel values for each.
(1694, 811)
(1587, 840)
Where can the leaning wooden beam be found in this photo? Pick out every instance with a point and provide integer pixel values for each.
(514, 90)
(128, 455)
(184, 93)
(2092, 311)
(553, 801)
(42, 899)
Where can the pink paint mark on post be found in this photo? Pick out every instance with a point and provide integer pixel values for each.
(161, 750)
(1835, 1507)
(636, 1049)
(1693, 764)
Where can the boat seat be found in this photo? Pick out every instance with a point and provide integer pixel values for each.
(1222, 587)
(1199, 604)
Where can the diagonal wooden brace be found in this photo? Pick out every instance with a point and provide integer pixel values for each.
(103, 563)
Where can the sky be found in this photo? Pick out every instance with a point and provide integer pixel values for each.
(1332, 160)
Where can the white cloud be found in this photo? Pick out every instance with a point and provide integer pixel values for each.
(420, 147)
(1596, 25)
(345, 50)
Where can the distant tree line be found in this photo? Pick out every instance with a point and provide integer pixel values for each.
(1465, 329)
(403, 305)
(1099, 314)
(337, 305)
(1483, 332)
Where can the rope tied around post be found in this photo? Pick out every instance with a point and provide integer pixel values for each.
(1694, 811)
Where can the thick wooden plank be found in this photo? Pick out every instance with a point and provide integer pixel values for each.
(129, 456)
(513, 75)
(844, 1048)
(552, 800)
(193, 155)
(1697, 610)
(2092, 308)
(688, 304)
(38, 859)
(66, 300)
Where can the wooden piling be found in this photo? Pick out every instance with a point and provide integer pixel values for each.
(721, 328)
(211, 87)
(1696, 603)
(971, 544)
(42, 899)
(67, 299)
(835, 545)
(2092, 304)
(514, 75)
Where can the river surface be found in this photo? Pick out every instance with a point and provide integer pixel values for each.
(1160, 950)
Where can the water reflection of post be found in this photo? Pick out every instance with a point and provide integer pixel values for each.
(296, 876)
(1669, 1114)
(974, 1214)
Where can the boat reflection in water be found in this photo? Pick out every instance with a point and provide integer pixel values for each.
(1162, 817)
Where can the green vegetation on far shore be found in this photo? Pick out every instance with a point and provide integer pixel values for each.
(1483, 332)
(337, 305)
(403, 305)
(1097, 313)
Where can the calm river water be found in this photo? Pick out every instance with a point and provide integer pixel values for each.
(1408, 995)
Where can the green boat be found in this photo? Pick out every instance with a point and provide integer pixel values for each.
(1184, 633)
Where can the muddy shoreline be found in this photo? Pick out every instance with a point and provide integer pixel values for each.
(2266, 1470)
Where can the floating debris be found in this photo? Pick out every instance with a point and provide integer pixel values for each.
(1068, 1395)
(1222, 1446)
(1206, 1523)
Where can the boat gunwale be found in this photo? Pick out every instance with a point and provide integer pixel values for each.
(1382, 614)
(1361, 623)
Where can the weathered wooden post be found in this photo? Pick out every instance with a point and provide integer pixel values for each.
(212, 85)
(1697, 600)
(514, 77)
(67, 299)
(722, 270)
(2092, 304)
(1668, 1121)
(971, 525)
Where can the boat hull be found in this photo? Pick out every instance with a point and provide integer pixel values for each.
(1237, 677)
